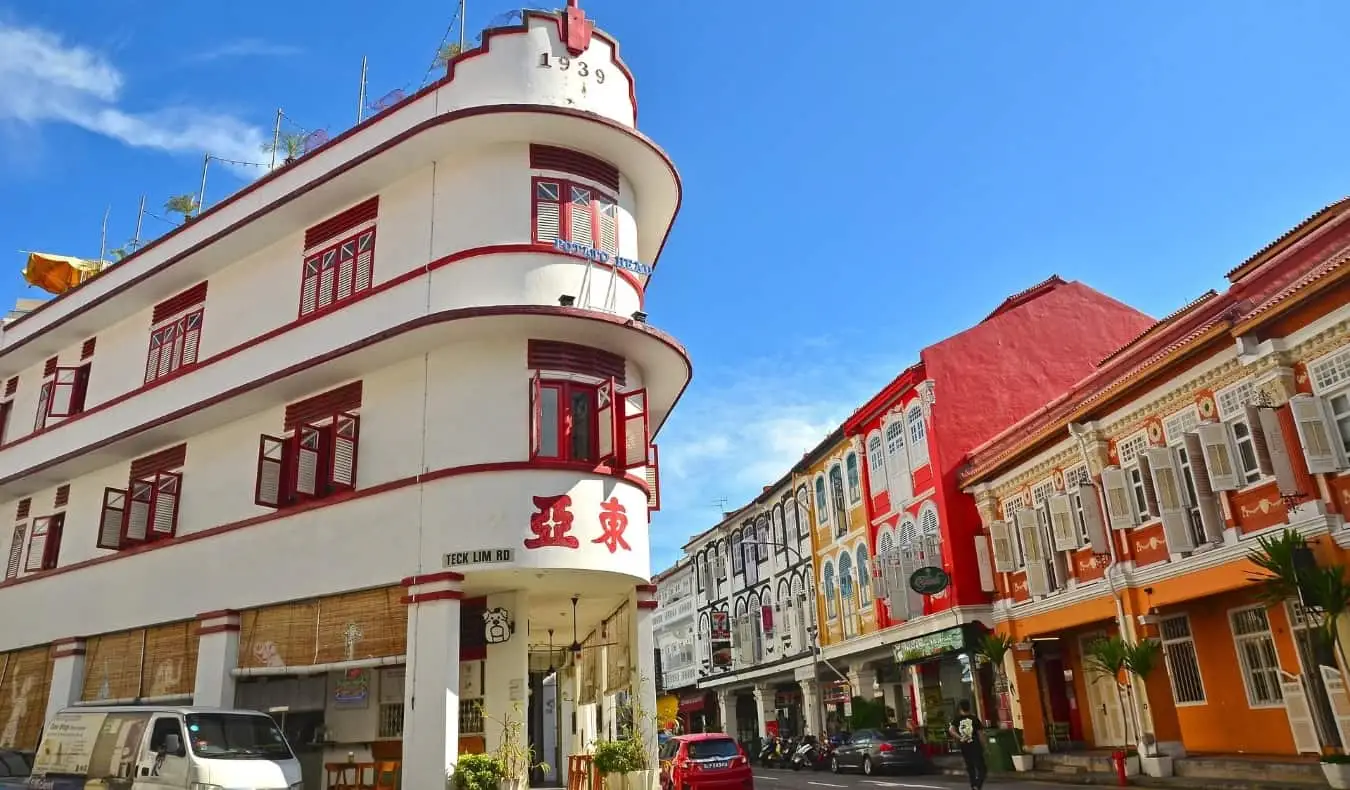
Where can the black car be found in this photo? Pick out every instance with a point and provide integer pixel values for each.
(875, 751)
(15, 766)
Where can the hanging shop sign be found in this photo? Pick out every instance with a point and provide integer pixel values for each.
(929, 580)
(352, 689)
(836, 693)
(938, 643)
(600, 256)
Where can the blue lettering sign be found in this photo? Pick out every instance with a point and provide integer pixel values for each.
(573, 248)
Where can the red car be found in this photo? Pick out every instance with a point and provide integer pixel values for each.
(705, 761)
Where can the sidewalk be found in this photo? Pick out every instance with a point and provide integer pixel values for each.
(952, 766)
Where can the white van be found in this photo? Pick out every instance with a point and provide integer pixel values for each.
(163, 748)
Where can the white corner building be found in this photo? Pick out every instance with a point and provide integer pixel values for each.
(368, 444)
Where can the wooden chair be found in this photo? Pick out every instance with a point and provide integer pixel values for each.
(386, 774)
(340, 776)
(366, 776)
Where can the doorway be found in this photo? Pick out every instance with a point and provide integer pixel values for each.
(543, 729)
(1103, 699)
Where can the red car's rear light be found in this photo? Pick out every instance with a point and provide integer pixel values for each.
(885, 747)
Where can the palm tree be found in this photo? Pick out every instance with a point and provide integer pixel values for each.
(1289, 571)
(290, 146)
(182, 204)
(1141, 658)
(1109, 657)
(994, 649)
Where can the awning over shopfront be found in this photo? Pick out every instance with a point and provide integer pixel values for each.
(690, 703)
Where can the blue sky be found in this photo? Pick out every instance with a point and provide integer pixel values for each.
(861, 179)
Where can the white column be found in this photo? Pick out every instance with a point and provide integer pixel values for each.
(811, 707)
(916, 688)
(217, 657)
(726, 703)
(431, 691)
(506, 681)
(864, 682)
(643, 655)
(67, 677)
(764, 708)
(567, 707)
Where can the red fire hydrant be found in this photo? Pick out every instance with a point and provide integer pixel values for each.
(1118, 757)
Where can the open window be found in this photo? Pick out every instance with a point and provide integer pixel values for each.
(15, 563)
(316, 460)
(580, 422)
(653, 472)
(62, 395)
(44, 543)
(147, 509)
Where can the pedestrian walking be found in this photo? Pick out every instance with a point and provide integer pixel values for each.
(966, 729)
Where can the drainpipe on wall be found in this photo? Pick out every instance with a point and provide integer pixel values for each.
(1080, 433)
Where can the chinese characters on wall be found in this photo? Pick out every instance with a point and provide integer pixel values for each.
(551, 524)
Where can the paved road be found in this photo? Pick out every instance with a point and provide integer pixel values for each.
(776, 779)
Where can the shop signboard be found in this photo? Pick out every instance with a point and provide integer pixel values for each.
(460, 559)
(929, 580)
(938, 643)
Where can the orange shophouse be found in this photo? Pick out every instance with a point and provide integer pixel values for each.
(1130, 504)
(911, 438)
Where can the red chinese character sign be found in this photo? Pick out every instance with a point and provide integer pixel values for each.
(613, 523)
(552, 523)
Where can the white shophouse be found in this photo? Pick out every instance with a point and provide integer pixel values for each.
(674, 627)
(757, 618)
(371, 440)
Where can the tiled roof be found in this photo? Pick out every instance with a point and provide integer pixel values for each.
(1174, 315)
(1022, 297)
(1294, 231)
(1318, 273)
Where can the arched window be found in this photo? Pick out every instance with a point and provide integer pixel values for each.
(737, 553)
(822, 502)
(918, 446)
(864, 577)
(854, 478)
(909, 535)
(876, 464)
(846, 576)
(779, 533)
(799, 513)
(932, 538)
(765, 539)
(839, 512)
(756, 614)
(828, 585)
(898, 477)
(705, 638)
(928, 521)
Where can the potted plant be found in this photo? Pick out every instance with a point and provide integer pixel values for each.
(615, 762)
(290, 146)
(1110, 657)
(476, 772)
(514, 755)
(1141, 658)
(182, 204)
(1336, 768)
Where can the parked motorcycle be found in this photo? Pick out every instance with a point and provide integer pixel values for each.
(772, 753)
(804, 755)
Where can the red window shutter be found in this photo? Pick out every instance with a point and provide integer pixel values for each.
(190, 337)
(635, 429)
(156, 350)
(15, 552)
(536, 415)
(308, 455)
(573, 358)
(365, 260)
(335, 226)
(49, 368)
(309, 286)
(24, 508)
(167, 460)
(77, 400)
(346, 438)
(179, 303)
(323, 406)
(581, 215)
(111, 517)
(563, 160)
(606, 424)
(606, 225)
(61, 402)
(11, 386)
(547, 210)
(87, 350)
(62, 496)
(51, 554)
(653, 480)
(270, 487)
(37, 545)
(164, 513)
(43, 406)
(141, 503)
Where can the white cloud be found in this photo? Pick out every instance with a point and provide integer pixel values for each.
(246, 48)
(45, 80)
(738, 430)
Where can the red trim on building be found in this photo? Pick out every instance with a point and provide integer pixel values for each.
(166, 460)
(329, 175)
(646, 588)
(429, 578)
(222, 628)
(87, 350)
(648, 604)
(435, 595)
(564, 160)
(340, 223)
(345, 496)
(218, 613)
(323, 406)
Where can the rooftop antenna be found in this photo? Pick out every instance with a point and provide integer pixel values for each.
(361, 97)
(461, 24)
(140, 215)
(721, 503)
(103, 236)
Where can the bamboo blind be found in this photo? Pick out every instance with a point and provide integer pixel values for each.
(616, 654)
(112, 666)
(25, 682)
(316, 631)
(170, 659)
(590, 668)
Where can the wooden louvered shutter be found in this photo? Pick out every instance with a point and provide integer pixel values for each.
(346, 438)
(37, 544)
(141, 503)
(635, 429)
(1216, 443)
(547, 211)
(1270, 433)
(270, 485)
(606, 422)
(1091, 508)
(580, 216)
(1119, 499)
(1171, 500)
(111, 517)
(653, 474)
(164, 514)
(1033, 551)
(16, 552)
(1005, 559)
(1321, 446)
(1211, 517)
(985, 565)
(1062, 527)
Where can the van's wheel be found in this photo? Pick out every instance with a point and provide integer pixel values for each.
(867, 766)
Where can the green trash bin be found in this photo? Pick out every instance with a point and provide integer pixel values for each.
(999, 748)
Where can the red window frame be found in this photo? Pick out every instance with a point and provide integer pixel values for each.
(620, 431)
(44, 543)
(144, 512)
(332, 274)
(553, 202)
(316, 460)
(62, 395)
(174, 344)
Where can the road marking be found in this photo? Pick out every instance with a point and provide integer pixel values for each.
(825, 784)
(884, 784)
(770, 778)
